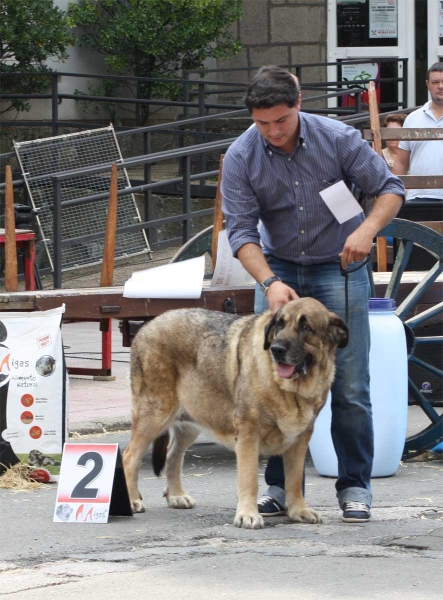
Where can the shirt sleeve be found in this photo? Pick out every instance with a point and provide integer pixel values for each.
(239, 202)
(365, 168)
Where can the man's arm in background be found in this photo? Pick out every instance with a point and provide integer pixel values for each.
(401, 164)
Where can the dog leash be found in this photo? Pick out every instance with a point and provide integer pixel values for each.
(345, 273)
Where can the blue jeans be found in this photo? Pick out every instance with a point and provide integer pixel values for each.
(351, 427)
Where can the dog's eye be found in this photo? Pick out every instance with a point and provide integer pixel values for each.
(306, 327)
(280, 324)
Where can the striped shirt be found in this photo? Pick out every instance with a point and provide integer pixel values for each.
(272, 198)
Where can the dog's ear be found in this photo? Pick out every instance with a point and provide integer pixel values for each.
(338, 330)
(268, 331)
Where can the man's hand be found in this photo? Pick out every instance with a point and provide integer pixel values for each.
(356, 248)
(279, 294)
(359, 244)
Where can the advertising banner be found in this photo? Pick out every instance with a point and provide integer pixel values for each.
(33, 391)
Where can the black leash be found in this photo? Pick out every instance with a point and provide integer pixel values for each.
(346, 273)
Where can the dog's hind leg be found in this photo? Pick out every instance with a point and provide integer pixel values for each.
(143, 433)
(184, 435)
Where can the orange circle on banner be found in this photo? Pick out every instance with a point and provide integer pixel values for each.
(27, 400)
(27, 417)
(35, 432)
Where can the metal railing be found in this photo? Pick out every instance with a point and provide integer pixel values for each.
(196, 93)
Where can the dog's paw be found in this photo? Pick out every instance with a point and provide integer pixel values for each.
(137, 506)
(303, 515)
(249, 521)
(180, 501)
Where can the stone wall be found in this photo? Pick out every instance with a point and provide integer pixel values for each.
(282, 32)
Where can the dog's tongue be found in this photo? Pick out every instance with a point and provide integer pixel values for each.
(285, 371)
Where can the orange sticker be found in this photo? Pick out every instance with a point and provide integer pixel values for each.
(27, 400)
(27, 417)
(35, 432)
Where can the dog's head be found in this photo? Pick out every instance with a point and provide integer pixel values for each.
(35, 454)
(301, 334)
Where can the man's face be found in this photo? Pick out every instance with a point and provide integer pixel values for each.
(435, 86)
(279, 125)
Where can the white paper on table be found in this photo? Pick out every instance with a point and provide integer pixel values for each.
(341, 202)
(177, 280)
(229, 272)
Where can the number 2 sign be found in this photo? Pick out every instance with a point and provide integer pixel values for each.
(91, 484)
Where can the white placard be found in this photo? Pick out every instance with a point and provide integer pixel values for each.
(229, 272)
(85, 484)
(383, 19)
(177, 280)
(341, 202)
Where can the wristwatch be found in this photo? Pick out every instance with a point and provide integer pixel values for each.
(265, 285)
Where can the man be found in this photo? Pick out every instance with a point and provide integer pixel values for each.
(273, 173)
(426, 157)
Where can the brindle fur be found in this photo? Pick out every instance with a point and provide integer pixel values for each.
(194, 370)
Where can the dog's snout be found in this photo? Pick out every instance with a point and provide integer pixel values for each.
(278, 351)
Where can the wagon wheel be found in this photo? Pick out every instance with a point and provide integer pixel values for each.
(408, 235)
(199, 244)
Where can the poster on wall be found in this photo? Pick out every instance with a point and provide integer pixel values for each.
(383, 19)
(440, 17)
(356, 76)
(352, 24)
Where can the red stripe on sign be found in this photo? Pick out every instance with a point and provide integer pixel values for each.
(67, 498)
(108, 449)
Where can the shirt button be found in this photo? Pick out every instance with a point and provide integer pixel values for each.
(302, 253)
(302, 231)
(296, 182)
(304, 145)
(301, 207)
(270, 153)
(289, 158)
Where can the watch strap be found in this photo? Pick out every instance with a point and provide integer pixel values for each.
(265, 285)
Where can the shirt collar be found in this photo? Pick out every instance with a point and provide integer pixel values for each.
(427, 110)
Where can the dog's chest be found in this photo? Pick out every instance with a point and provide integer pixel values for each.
(285, 431)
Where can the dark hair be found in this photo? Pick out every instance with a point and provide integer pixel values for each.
(271, 86)
(395, 118)
(438, 66)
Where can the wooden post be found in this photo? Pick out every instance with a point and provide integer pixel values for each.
(382, 247)
(107, 275)
(218, 214)
(11, 277)
(375, 119)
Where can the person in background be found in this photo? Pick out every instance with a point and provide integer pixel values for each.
(390, 152)
(424, 157)
(288, 239)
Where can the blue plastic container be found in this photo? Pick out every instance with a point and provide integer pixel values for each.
(388, 368)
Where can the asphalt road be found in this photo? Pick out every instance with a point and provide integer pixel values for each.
(165, 553)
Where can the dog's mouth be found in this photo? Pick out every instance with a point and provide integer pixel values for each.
(286, 371)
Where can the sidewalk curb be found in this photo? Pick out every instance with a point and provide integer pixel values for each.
(96, 427)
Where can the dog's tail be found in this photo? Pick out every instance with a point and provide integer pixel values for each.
(159, 450)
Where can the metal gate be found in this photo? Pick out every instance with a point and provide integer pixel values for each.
(41, 159)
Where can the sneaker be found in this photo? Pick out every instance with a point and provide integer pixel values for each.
(269, 507)
(355, 512)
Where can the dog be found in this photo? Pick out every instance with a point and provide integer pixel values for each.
(256, 383)
(38, 459)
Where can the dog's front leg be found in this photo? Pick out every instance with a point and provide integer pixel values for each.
(247, 450)
(293, 461)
